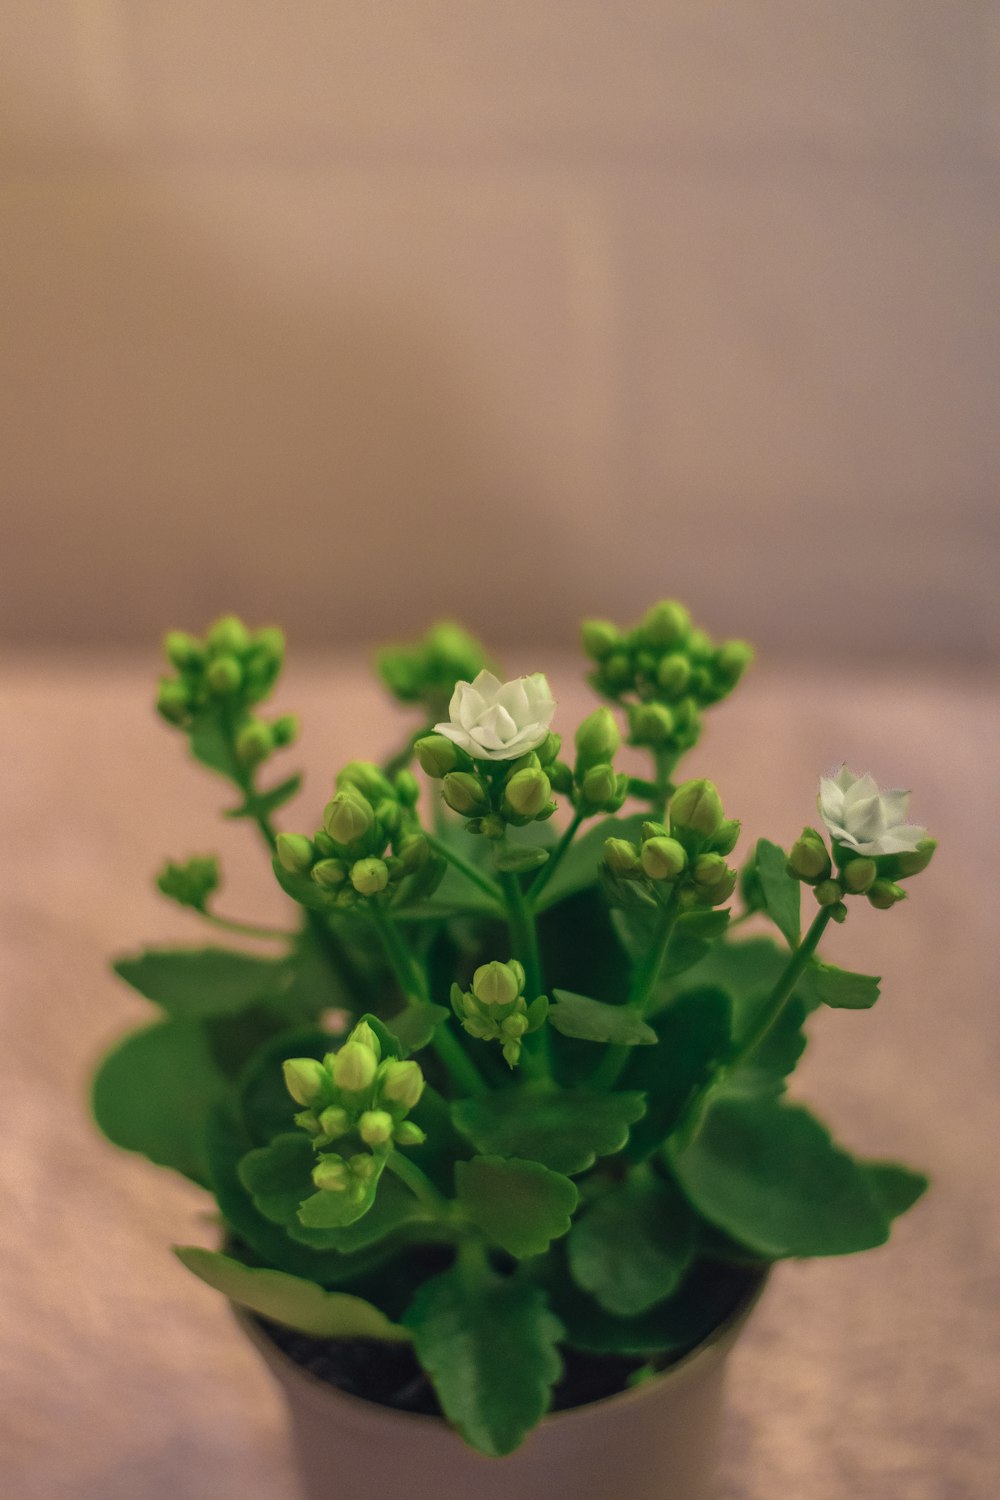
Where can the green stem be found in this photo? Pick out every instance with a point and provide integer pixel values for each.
(523, 934)
(487, 886)
(245, 929)
(643, 985)
(787, 980)
(420, 1185)
(547, 871)
(664, 761)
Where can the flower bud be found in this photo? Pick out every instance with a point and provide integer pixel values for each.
(228, 635)
(809, 858)
(354, 1067)
(375, 1127)
(401, 1082)
(465, 793)
(697, 805)
(616, 671)
(597, 738)
(334, 1121)
(650, 723)
(406, 787)
(600, 786)
(365, 777)
(365, 1036)
(172, 701)
(514, 1026)
(295, 853)
(599, 638)
(286, 729)
(710, 870)
(727, 837)
(492, 827)
(437, 755)
(329, 873)
(498, 983)
(181, 649)
(859, 875)
(699, 646)
(224, 675)
(829, 892)
(413, 852)
(549, 748)
(884, 894)
(527, 792)
(330, 1174)
(666, 623)
(662, 858)
(369, 876)
(408, 1134)
(732, 661)
(348, 817)
(269, 645)
(254, 743)
(673, 674)
(622, 858)
(916, 860)
(305, 1079)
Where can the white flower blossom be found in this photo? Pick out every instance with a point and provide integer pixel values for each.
(494, 720)
(870, 821)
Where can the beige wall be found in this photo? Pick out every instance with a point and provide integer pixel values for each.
(352, 313)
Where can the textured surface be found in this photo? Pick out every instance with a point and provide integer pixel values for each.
(120, 1376)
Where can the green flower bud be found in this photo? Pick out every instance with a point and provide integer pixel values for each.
(331, 1174)
(325, 845)
(651, 830)
(809, 858)
(697, 805)
(172, 701)
(269, 644)
(829, 892)
(389, 816)
(305, 1079)
(514, 1026)
(884, 893)
(600, 786)
(492, 827)
(599, 638)
(375, 1127)
(616, 671)
(407, 788)
(224, 675)
(228, 636)
(512, 1052)
(710, 870)
(699, 646)
(916, 860)
(181, 649)
(408, 1134)
(498, 983)
(465, 793)
(662, 858)
(859, 875)
(673, 674)
(725, 841)
(354, 1067)
(401, 1082)
(839, 912)
(413, 852)
(295, 853)
(286, 729)
(549, 748)
(366, 1036)
(334, 1121)
(622, 858)
(369, 876)
(666, 624)
(732, 661)
(364, 777)
(348, 817)
(254, 742)
(650, 723)
(560, 776)
(597, 739)
(329, 873)
(527, 792)
(437, 755)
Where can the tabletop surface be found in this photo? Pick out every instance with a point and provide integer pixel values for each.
(122, 1377)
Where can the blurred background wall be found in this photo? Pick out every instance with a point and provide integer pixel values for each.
(356, 313)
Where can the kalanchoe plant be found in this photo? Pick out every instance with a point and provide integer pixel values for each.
(507, 1095)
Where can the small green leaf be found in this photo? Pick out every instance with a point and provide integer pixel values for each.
(489, 1345)
(768, 1173)
(593, 1021)
(414, 1027)
(841, 988)
(694, 1037)
(155, 1093)
(564, 1129)
(519, 1205)
(694, 934)
(290, 1299)
(193, 982)
(211, 745)
(515, 859)
(895, 1187)
(279, 1176)
(780, 890)
(325, 1210)
(264, 803)
(632, 1246)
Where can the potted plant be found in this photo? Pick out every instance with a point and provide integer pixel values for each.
(499, 1133)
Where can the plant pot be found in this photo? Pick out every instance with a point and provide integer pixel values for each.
(657, 1441)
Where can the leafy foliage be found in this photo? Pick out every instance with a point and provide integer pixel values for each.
(564, 1129)
(631, 1247)
(779, 889)
(519, 1205)
(193, 982)
(593, 1021)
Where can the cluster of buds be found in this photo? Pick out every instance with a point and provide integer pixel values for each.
(190, 883)
(370, 841)
(686, 856)
(360, 1101)
(492, 794)
(593, 785)
(428, 671)
(495, 1010)
(850, 873)
(230, 670)
(672, 669)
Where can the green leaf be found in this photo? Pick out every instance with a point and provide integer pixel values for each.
(155, 1092)
(632, 1246)
(579, 866)
(519, 1205)
(211, 745)
(694, 1037)
(193, 982)
(694, 934)
(303, 890)
(840, 988)
(593, 1021)
(414, 1027)
(895, 1187)
(515, 859)
(326, 1210)
(264, 803)
(769, 1175)
(765, 1069)
(489, 1345)
(267, 1107)
(780, 890)
(290, 1299)
(279, 1176)
(564, 1129)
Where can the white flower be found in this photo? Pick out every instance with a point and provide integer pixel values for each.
(870, 821)
(494, 720)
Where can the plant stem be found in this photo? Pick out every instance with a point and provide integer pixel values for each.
(419, 1184)
(664, 762)
(523, 934)
(787, 980)
(485, 884)
(547, 871)
(643, 985)
(245, 929)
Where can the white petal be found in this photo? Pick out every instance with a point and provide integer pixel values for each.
(864, 818)
(894, 807)
(845, 779)
(900, 840)
(457, 735)
(466, 704)
(514, 698)
(830, 802)
(487, 685)
(495, 729)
